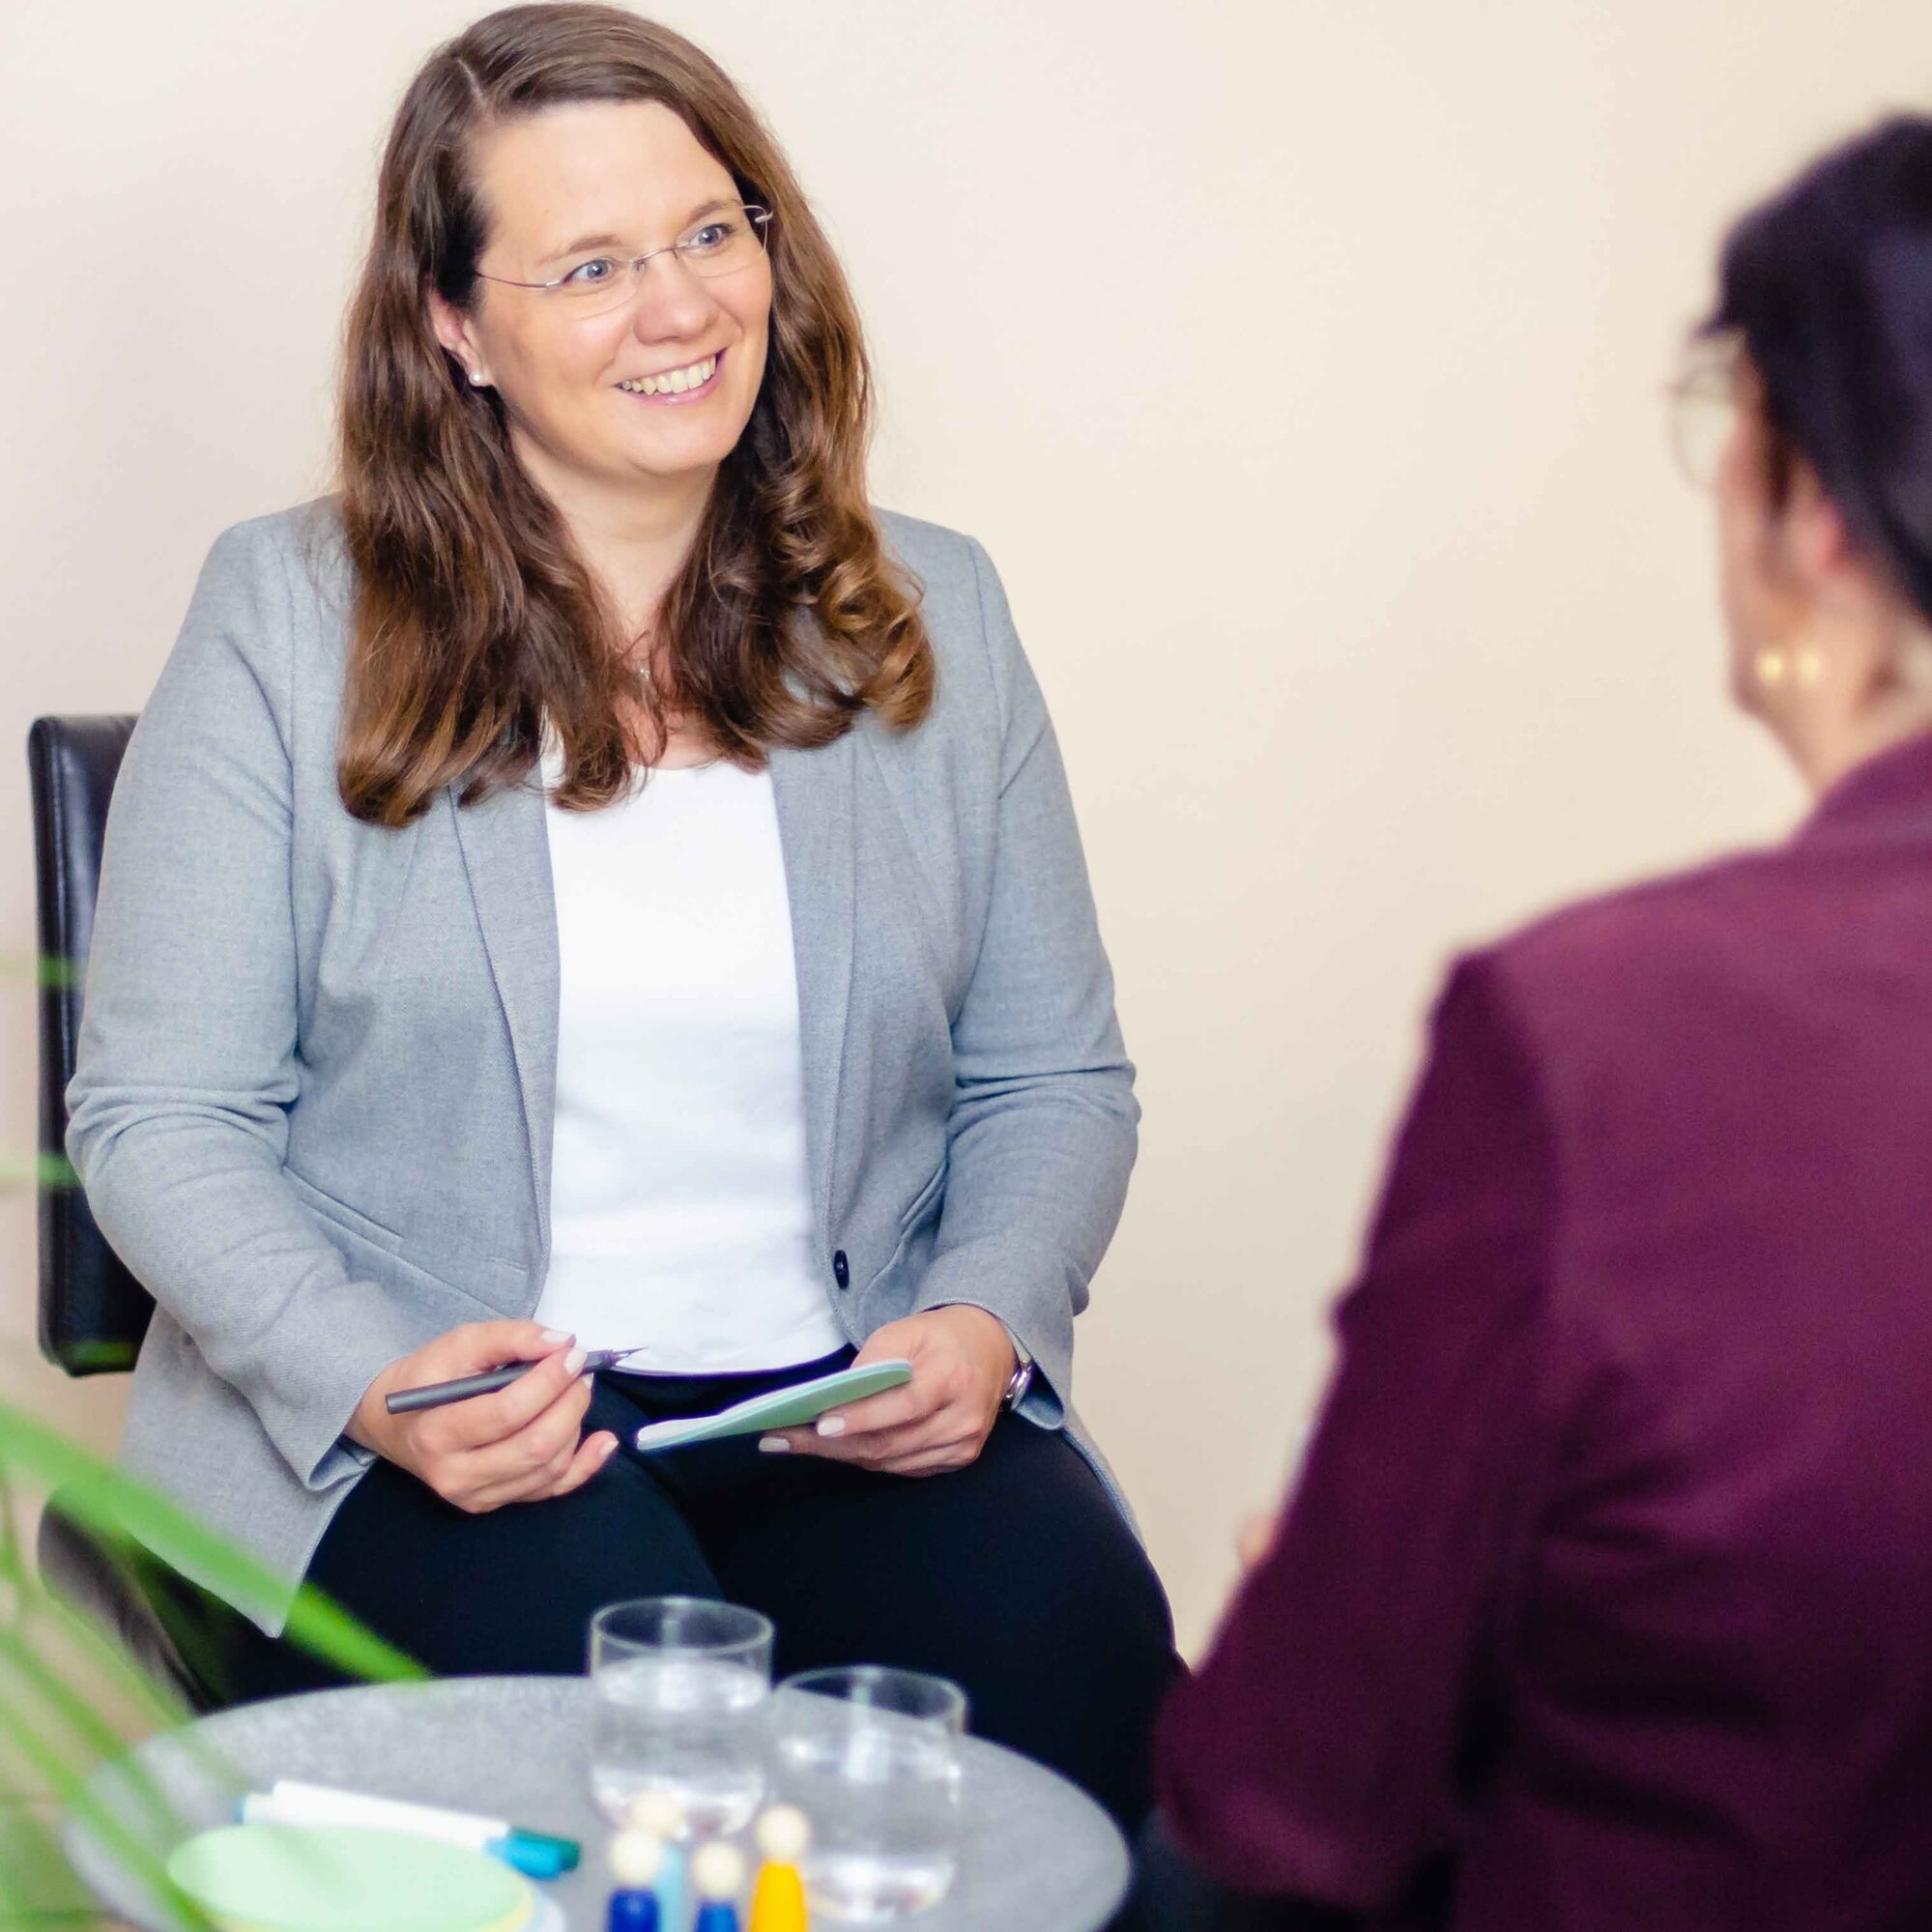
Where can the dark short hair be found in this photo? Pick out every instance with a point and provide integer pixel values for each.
(1827, 286)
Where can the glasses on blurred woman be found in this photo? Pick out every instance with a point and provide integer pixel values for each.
(720, 242)
(1704, 408)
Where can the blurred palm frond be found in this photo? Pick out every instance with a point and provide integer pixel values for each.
(71, 1700)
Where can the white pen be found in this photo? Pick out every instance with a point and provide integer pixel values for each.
(289, 1802)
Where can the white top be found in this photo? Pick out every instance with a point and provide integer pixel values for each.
(679, 1206)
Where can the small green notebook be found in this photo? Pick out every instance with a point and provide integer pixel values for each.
(783, 1408)
(346, 1877)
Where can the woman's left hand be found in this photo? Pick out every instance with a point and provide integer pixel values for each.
(962, 1361)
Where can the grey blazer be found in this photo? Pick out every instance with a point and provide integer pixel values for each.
(317, 1064)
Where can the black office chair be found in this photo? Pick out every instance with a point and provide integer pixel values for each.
(93, 1313)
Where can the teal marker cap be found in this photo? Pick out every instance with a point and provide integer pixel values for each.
(536, 1854)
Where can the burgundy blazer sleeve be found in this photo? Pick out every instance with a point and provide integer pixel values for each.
(1319, 1751)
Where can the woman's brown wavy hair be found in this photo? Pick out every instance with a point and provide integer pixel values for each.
(475, 620)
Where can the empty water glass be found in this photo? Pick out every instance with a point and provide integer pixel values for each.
(678, 1687)
(871, 1757)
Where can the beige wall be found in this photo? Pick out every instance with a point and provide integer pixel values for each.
(1300, 364)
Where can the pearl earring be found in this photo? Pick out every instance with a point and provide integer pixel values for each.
(1806, 668)
(477, 379)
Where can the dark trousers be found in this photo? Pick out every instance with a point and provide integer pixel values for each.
(1016, 1576)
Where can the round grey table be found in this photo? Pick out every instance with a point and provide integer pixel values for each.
(1036, 1851)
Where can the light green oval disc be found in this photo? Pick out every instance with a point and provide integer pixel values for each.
(342, 1878)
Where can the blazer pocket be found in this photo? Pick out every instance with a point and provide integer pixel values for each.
(341, 1213)
(923, 1198)
(914, 1225)
(495, 1287)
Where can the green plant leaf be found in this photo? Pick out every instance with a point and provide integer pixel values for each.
(115, 1507)
(41, 1171)
(38, 1886)
(52, 1724)
(140, 1857)
(44, 969)
(92, 1732)
(117, 1670)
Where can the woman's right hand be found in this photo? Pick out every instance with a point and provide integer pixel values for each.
(518, 1445)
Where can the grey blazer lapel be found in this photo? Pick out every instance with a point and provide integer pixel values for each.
(505, 846)
(813, 791)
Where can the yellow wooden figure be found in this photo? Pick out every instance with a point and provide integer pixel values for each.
(778, 1904)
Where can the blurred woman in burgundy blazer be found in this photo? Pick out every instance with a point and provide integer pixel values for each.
(1605, 1598)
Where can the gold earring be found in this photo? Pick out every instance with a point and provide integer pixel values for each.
(1770, 666)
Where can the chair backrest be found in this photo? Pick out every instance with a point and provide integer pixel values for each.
(93, 1311)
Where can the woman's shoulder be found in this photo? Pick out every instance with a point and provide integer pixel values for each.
(951, 570)
(982, 669)
(303, 546)
(1654, 923)
(273, 596)
(930, 551)
(1695, 962)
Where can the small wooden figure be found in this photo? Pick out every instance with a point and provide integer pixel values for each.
(658, 1816)
(633, 1911)
(717, 1876)
(637, 1861)
(778, 1900)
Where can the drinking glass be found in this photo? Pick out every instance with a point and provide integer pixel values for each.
(871, 1757)
(678, 1686)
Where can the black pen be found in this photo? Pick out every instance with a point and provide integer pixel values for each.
(434, 1394)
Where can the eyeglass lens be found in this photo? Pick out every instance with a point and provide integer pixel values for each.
(1701, 421)
(1704, 410)
(720, 244)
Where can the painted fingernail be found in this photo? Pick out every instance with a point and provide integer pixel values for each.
(831, 1425)
(774, 1445)
(553, 1335)
(574, 1360)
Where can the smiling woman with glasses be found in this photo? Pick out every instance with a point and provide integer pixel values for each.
(599, 884)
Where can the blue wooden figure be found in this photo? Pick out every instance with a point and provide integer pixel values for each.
(633, 1911)
(717, 1876)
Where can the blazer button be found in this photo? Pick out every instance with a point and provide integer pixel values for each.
(842, 1272)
